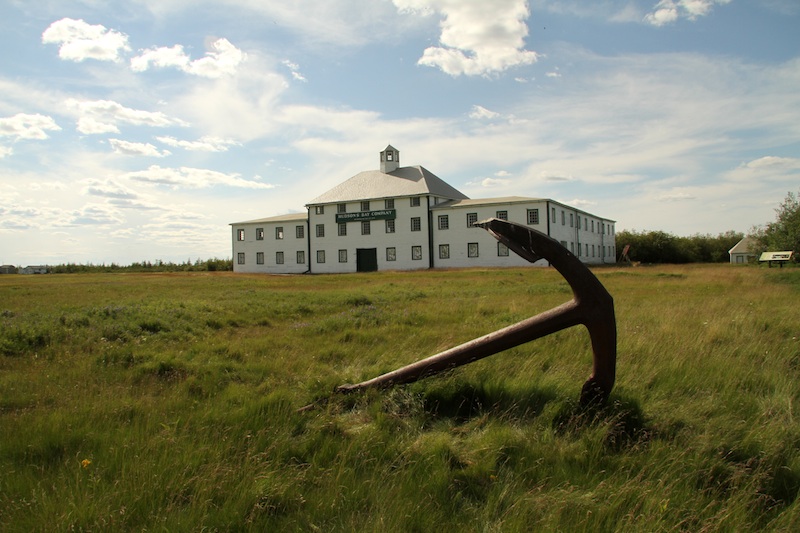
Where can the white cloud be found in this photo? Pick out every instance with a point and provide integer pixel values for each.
(774, 163)
(92, 215)
(101, 116)
(5, 151)
(480, 112)
(477, 37)
(767, 169)
(91, 126)
(24, 126)
(133, 148)
(294, 68)
(109, 189)
(494, 182)
(223, 59)
(556, 176)
(204, 144)
(193, 178)
(242, 107)
(668, 11)
(160, 57)
(676, 196)
(80, 40)
(580, 203)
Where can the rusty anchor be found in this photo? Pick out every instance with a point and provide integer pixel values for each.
(591, 306)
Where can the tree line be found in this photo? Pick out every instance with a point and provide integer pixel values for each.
(199, 265)
(783, 234)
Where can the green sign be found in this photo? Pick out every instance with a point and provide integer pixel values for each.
(381, 214)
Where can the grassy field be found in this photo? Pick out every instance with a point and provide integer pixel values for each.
(169, 402)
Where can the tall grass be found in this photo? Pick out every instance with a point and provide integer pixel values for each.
(170, 401)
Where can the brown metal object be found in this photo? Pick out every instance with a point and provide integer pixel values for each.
(591, 306)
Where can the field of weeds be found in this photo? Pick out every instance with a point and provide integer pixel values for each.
(170, 401)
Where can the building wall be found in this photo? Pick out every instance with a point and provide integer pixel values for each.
(592, 239)
(402, 240)
(252, 239)
(470, 246)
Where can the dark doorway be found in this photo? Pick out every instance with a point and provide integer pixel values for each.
(366, 259)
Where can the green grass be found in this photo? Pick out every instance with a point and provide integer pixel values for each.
(170, 402)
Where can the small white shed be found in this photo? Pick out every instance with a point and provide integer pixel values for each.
(744, 251)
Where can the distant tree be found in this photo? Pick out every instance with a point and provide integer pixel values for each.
(784, 233)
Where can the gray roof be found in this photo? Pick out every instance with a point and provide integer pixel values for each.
(745, 246)
(470, 202)
(405, 181)
(291, 217)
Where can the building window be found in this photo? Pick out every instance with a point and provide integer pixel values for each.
(533, 216)
(572, 247)
(341, 208)
(366, 228)
(300, 232)
(320, 256)
(444, 251)
(472, 218)
(502, 250)
(320, 230)
(553, 215)
(239, 235)
(390, 225)
(416, 253)
(259, 234)
(301, 257)
(592, 226)
(278, 258)
(343, 256)
(416, 224)
(444, 222)
(563, 218)
(415, 201)
(365, 205)
(342, 229)
(502, 215)
(578, 219)
(391, 254)
(259, 258)
(587, 250)
(240, 258)
(585, 224)
(571, 220)
(388, 203)
(279, 233)
(319, 210)
(472, 249)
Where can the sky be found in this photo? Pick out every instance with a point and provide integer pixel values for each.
(140, 130)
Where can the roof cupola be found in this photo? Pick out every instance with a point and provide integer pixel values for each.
(390, 159)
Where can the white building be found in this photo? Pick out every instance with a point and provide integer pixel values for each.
(406, 218)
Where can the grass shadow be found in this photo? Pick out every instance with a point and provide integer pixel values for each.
(462, 400)
(625, 422)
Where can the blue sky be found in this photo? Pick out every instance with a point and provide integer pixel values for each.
(140, 130)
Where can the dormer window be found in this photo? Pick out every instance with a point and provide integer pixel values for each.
(389, 156)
